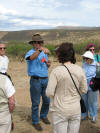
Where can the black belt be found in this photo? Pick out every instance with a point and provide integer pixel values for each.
(36, 77)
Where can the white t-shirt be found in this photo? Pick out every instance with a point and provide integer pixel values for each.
(4, 63)
(9, 88)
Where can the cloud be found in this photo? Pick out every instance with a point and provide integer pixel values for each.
(90, 5)
(24, 14)
(5, 11)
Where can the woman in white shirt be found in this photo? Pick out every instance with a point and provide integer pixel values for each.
(65, 100)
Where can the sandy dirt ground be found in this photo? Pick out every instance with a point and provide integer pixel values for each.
(22, 112)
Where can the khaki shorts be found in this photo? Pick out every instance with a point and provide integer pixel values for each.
(5, 122)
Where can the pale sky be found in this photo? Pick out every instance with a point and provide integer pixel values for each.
(44, 14)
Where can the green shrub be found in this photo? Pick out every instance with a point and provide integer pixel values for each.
(80, 48)
(17, 49)
(51, 47)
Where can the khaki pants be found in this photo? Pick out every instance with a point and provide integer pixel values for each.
(68, 124)
(5, 122)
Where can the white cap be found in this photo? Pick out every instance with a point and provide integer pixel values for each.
(89, 55)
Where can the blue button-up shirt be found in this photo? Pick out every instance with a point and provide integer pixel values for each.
(37, 67)
(90, 71)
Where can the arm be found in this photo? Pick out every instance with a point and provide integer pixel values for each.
(45, 50)
(37, 52)
(10, 91)
(52, 83)
(83, 83)
(48, 63)
(35, 55)
(11, 103)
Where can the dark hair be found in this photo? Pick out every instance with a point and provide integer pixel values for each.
(66, 53)
(89, 46)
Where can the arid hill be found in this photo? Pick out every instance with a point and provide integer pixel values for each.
(54, 36)
(2, 34)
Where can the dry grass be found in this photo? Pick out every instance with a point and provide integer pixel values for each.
(22, 113)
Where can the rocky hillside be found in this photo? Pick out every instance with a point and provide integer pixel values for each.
(54, 36)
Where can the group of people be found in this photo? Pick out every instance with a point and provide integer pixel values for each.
(60, 91)
(59, 94)
(90, 63)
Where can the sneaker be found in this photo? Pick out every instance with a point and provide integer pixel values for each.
(45, 120)
(84, 118)
(38, 127)
(94, 119)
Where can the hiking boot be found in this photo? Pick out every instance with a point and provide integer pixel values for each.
(45, 120)
(38, 127)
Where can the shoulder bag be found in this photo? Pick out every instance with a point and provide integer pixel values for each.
(83, 107)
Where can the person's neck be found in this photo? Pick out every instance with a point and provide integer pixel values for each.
(2, 55)
(67, 63)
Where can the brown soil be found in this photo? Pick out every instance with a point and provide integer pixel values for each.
(22, 112)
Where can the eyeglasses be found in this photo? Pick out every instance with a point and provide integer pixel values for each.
(2, 48)
(91, 49)
(38, 42)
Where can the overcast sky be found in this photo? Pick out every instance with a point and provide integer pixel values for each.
(40, 14)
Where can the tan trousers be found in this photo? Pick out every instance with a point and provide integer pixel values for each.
(68, 124)
(5, 122)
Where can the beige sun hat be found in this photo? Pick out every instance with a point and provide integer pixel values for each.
(89, 55)
(36, 38)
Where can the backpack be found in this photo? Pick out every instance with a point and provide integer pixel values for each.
(97, 58)
(95, 81)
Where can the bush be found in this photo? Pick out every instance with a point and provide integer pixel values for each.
(80, 48)
(18, 49)
(51, 47)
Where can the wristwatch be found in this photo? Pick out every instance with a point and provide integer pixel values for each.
(40, 50)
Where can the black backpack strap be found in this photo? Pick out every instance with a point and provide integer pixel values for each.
(6, 74)
(97, 56)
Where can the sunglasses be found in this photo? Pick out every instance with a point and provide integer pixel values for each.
(37, 42)
(85, 58)
(91, 49)
(2, 48)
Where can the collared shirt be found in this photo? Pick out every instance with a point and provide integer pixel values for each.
(6, 91)
(4, 63)
(9, 88)
(38, 66)
(90, 71)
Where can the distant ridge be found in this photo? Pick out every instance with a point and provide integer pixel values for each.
(77, 27)
(54, 36)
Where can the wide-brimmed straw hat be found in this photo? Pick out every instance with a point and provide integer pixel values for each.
(36, 38)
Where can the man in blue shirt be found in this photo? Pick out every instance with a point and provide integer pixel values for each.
(37, 67)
